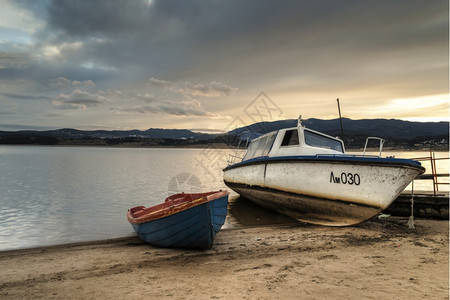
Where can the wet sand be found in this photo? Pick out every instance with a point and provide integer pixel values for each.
(271, 257)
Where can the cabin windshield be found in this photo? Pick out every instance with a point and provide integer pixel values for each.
(269, 144)
(251, 150)
(260, 147)
(317, 140)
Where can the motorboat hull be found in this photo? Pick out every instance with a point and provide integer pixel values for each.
(324, 190)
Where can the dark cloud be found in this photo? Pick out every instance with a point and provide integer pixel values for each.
(78, 99)
(147, 97)
(175, 108)
(97, 18)
(162, 84)
(15, 127)
(25, 97)
(13, 60)
(189, 39)
(212, 89)
(198, 52)
(62, 83)
(6, 112)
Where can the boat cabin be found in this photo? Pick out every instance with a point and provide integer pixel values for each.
(293, 142)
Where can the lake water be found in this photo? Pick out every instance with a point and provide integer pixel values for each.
(55, 195)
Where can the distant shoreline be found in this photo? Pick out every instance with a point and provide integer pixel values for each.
(215, 146)
(399, 135)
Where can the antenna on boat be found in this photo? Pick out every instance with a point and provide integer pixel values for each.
(299, 121)
(340, 119)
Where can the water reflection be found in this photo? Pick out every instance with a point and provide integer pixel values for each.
(53, 195)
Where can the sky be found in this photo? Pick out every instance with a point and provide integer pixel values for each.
(214, 65)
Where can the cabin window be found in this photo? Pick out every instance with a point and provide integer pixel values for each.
(251, 150)
(261, 145)
(290, 138)
(317, 140)
(269, 143)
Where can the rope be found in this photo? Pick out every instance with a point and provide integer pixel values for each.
(411, 217)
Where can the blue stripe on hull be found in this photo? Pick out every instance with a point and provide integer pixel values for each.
(353, 159)
(192, 228)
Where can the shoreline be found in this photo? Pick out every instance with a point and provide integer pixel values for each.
(219, 146)
(243, 213)
(378, 258)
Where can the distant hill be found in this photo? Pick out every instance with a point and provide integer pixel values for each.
(69, 133)
(136, 138)
(397, 133)
(384, 128)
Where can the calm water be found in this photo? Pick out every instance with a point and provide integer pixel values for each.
(54, 195)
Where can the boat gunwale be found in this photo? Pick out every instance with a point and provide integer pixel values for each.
(168, 208)
(332, 158)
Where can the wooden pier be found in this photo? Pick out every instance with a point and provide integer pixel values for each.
(427, 204)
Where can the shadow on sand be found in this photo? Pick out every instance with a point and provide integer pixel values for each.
(242, 212)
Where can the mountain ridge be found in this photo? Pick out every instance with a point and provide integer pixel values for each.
(385, 128)
(355, 131)
(112, 134)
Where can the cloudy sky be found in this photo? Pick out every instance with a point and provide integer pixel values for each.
(203, 65)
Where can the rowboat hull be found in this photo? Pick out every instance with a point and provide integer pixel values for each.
(332, 191)
(193, 227)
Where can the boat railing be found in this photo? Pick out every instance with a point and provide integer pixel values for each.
(434, 174)
(381, 141)
(233, 159)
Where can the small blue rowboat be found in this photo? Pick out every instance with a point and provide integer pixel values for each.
(182, 221)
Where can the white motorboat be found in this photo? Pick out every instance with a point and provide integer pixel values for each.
(307, 175)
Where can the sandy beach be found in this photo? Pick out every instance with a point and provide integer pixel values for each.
(381, 258)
